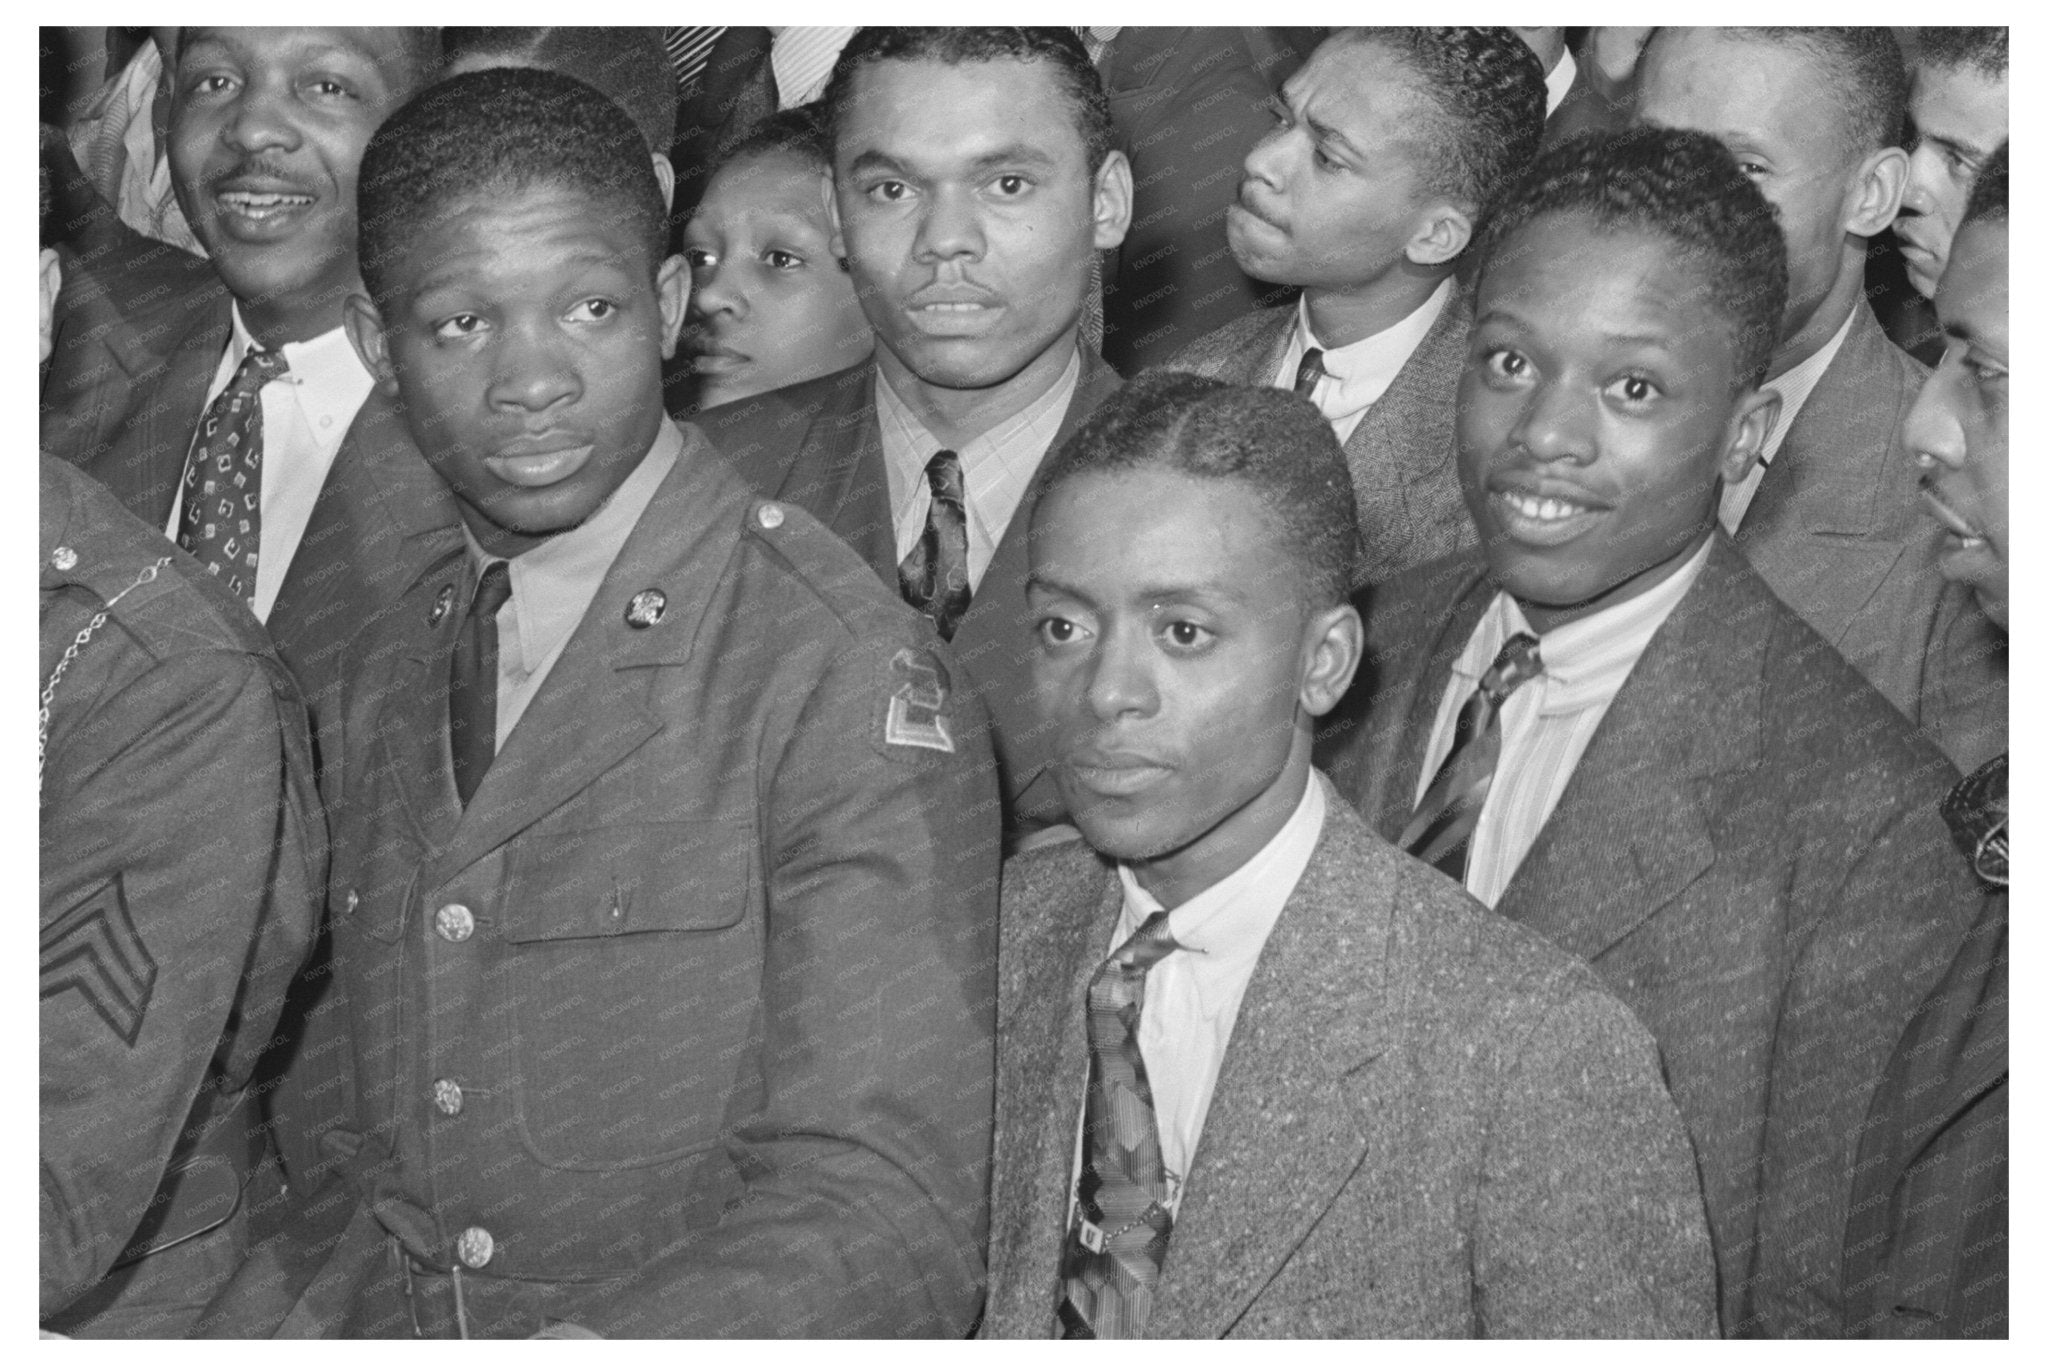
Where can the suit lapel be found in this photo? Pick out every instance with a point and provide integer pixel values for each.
(1283, 1132)
(1634, 827)
(1417, 700)
(1396, 445)
(144, 470)
(838, 470)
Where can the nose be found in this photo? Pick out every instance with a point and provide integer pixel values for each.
(1266, 160)
(1921, 169)
(263, 118)
(1120, 682)
(535, 372)
(951, 226)
(1932, 430)
(716, 288)
(1557, 424)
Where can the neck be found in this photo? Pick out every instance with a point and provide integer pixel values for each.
(273, 322)
(1343, 316)
(1176, 878)
(1825, 320)
(956, 416)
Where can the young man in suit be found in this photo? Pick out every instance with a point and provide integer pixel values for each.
(1927, 1252)
(1613, 732)
(1958, 114)
(973, 182)
(1387, 147)
(1827, 513)
(1259, 1074)
(666, 861)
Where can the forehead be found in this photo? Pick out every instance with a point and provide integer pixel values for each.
(927, 110)
(1564, 274)
(1743, 90)
(507, 234)
(1155, 529)
(775, 179)
(381, 47)
(1960, 102)
(1360, 87)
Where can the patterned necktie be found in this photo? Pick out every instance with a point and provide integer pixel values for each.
(1441, 829)
(220, 524)
(933, 576)
(1309, 373)
(473, 682)
(1114, 1252)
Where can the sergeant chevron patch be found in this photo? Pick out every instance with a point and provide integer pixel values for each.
(94, 949)
(917, 703)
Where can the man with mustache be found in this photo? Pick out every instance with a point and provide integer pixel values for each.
(1384, 153)
(1827, 513)
(973, 181)
(1606, 725)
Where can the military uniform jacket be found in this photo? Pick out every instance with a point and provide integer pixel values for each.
(690, 1008)
(1750, 856)
(1429, 1123)
(182, 851)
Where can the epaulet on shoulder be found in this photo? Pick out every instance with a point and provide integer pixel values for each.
(824, 565)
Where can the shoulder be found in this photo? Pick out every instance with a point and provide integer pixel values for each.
(1237, 350)
(775, 419)
(1053, 875)
(1412, 605)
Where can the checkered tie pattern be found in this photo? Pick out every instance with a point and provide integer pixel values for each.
(221, 522)
(1114, 1252)
(1440, 832)
(933, 576)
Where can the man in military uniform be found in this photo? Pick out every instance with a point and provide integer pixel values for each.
(182, 854)
(664, 893)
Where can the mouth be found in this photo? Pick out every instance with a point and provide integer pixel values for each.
(1115, 773)
(946, 312)
(259, 211)
(540, 466)
(1242, 208)
(1966, 536)
(1547, 518)
(709, 358)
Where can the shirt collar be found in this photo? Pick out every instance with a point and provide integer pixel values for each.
(1011, 448)
(553, 583)
(1224, 928)
(1365, 370)
(1586, 661)
(327, 378)
(1796, 385)
(1558, 83)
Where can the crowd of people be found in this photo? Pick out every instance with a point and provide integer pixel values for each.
(1026, 682)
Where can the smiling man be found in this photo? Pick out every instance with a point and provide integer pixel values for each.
(1260, 1074)
(973, 180)
(1610, 730)
(665, 910)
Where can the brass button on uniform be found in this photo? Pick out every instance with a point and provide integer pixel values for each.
(447, 1097)
(454, 923)
(474, 1247)
(770, 516)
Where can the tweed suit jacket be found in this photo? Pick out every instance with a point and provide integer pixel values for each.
(817, 444)
(1403, 455)
(1838, 532)
(1429, 1123)
(1749, 853)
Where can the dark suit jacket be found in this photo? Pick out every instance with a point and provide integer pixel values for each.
(817, 444)
(1429, 1123)
(1749, 855)
(1404, 452)
(1588, 106)
(1837, 530)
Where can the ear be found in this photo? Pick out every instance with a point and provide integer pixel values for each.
(1876, 192)
(1756, 413)
(665, 172)
(1446, 232)
(832, 214)
(672, 292)
(365, 328)
(1335, 642)
(1112, 206)
(52, 280)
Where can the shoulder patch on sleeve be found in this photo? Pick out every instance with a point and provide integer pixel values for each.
(919, 686)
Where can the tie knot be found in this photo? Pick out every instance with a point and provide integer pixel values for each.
(257, 369)
(947, 480)
(1152, 942)
(1518, 661)
(493, 590)
(1309, 372)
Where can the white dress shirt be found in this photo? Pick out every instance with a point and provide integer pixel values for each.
(554, 583)
(1356, 376)
(1558, 82)
(1794, 387)
(1192, 994)
(306, 413)
(1546, 724)
(996, 466)
(802, 58)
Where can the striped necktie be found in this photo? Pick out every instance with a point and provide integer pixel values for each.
(1309, 373)
(1441, 830)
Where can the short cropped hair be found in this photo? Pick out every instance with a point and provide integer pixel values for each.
(799, 132)
(1862, 71)
(1683, 186)
(629, 65)
(493, 133)
(1987, 192)
(1486, 90)
(1073, 74)
(1272, 441)
(1983, 50)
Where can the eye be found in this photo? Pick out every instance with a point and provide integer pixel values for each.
(326, 87)
(778, 259)
(459, 327)
(699, 258)
(888, 191)
(1185, 635)
(213, 84)
(1010, 186)
(1055, 631)
(1635, 390)
(1325, 160)
(593, 310)
(1982, 370)
(1501, 363)
(1753, 169)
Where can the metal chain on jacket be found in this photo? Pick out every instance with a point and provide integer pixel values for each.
(99, 619)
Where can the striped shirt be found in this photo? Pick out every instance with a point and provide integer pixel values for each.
(1546, 723)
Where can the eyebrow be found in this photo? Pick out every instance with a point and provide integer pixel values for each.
(1014, 154)
(1164, 592)
(1969, 151)
(1498, 315)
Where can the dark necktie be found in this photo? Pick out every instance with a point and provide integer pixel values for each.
(1308, 372)
(1441, 829)
(1112, 1258)
(473, 682)
(220, 524)
(933, 576)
